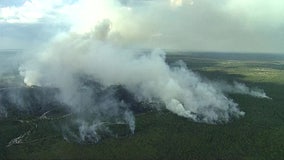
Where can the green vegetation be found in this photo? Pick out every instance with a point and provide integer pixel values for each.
(163, 135)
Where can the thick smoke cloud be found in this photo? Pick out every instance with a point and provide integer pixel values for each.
(77, 61)
(100, 58)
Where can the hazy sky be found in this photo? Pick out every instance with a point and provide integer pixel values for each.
(198, 25)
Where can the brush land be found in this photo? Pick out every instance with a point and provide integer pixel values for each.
(163, 135)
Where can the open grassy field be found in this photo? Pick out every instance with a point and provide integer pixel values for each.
(163, 135)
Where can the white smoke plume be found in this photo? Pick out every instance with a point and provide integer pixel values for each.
(146, 75)
(92, 60)
(241, 88)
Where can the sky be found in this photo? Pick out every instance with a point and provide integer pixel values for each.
(186, 25)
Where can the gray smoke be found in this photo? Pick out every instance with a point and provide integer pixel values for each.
(3, 112)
